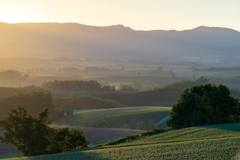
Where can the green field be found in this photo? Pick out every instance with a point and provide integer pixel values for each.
(117, 118)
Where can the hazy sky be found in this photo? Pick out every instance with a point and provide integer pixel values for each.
(137, 14)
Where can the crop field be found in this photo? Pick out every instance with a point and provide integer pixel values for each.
(117, 118)
(225, 148)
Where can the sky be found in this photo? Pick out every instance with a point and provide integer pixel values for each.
(136, 14)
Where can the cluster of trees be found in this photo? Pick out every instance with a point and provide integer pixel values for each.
(186, 83)
(230, 80)
(103, 124)
(38, 69)
(76, 85)
(85, 102)
(142, 125)
(94, 69)
(193, 68)
(11, 91)
(136, 86)
(204, 105)
(68, 69)
(163, 96)
(33, 136)
(59, 112)
(34, 103)
(11, 74)
(157, 70)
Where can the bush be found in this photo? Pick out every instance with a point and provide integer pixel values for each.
(141, 126)
(103, 124)
(65, 139)
(151, 124)
(33, 136)
(136, 137)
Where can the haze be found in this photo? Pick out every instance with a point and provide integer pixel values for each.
(137, 14)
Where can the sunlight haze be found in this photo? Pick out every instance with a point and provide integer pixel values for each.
(136, 14)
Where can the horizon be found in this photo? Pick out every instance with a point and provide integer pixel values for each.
(138, 15)
(120, 25)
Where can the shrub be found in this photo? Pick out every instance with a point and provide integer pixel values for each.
(141, 126)
(103, 124)
(125, 126)
(151, 124)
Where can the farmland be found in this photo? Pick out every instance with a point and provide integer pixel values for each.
(117, 118)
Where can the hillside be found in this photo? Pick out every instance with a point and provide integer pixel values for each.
(191, 133)
(116, 42)
(206, 142)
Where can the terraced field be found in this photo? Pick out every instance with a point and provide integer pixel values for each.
(115, 117)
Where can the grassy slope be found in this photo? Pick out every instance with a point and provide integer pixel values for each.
(115, 117)
(217, 142)
(192, 133)
(226, 148)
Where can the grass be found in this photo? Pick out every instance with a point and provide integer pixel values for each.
(192, 133)
(118, 116)
(204, 142)
(226, 148)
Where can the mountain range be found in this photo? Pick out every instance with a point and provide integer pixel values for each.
(49, 40)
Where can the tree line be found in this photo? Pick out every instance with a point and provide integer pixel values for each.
(85, 102)
(187, 83)
(11, 91)
(11, 74)
(34, 103)
(162, 96)
(77, 85)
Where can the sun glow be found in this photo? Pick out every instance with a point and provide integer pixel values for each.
(15, 15)
(139, 15)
